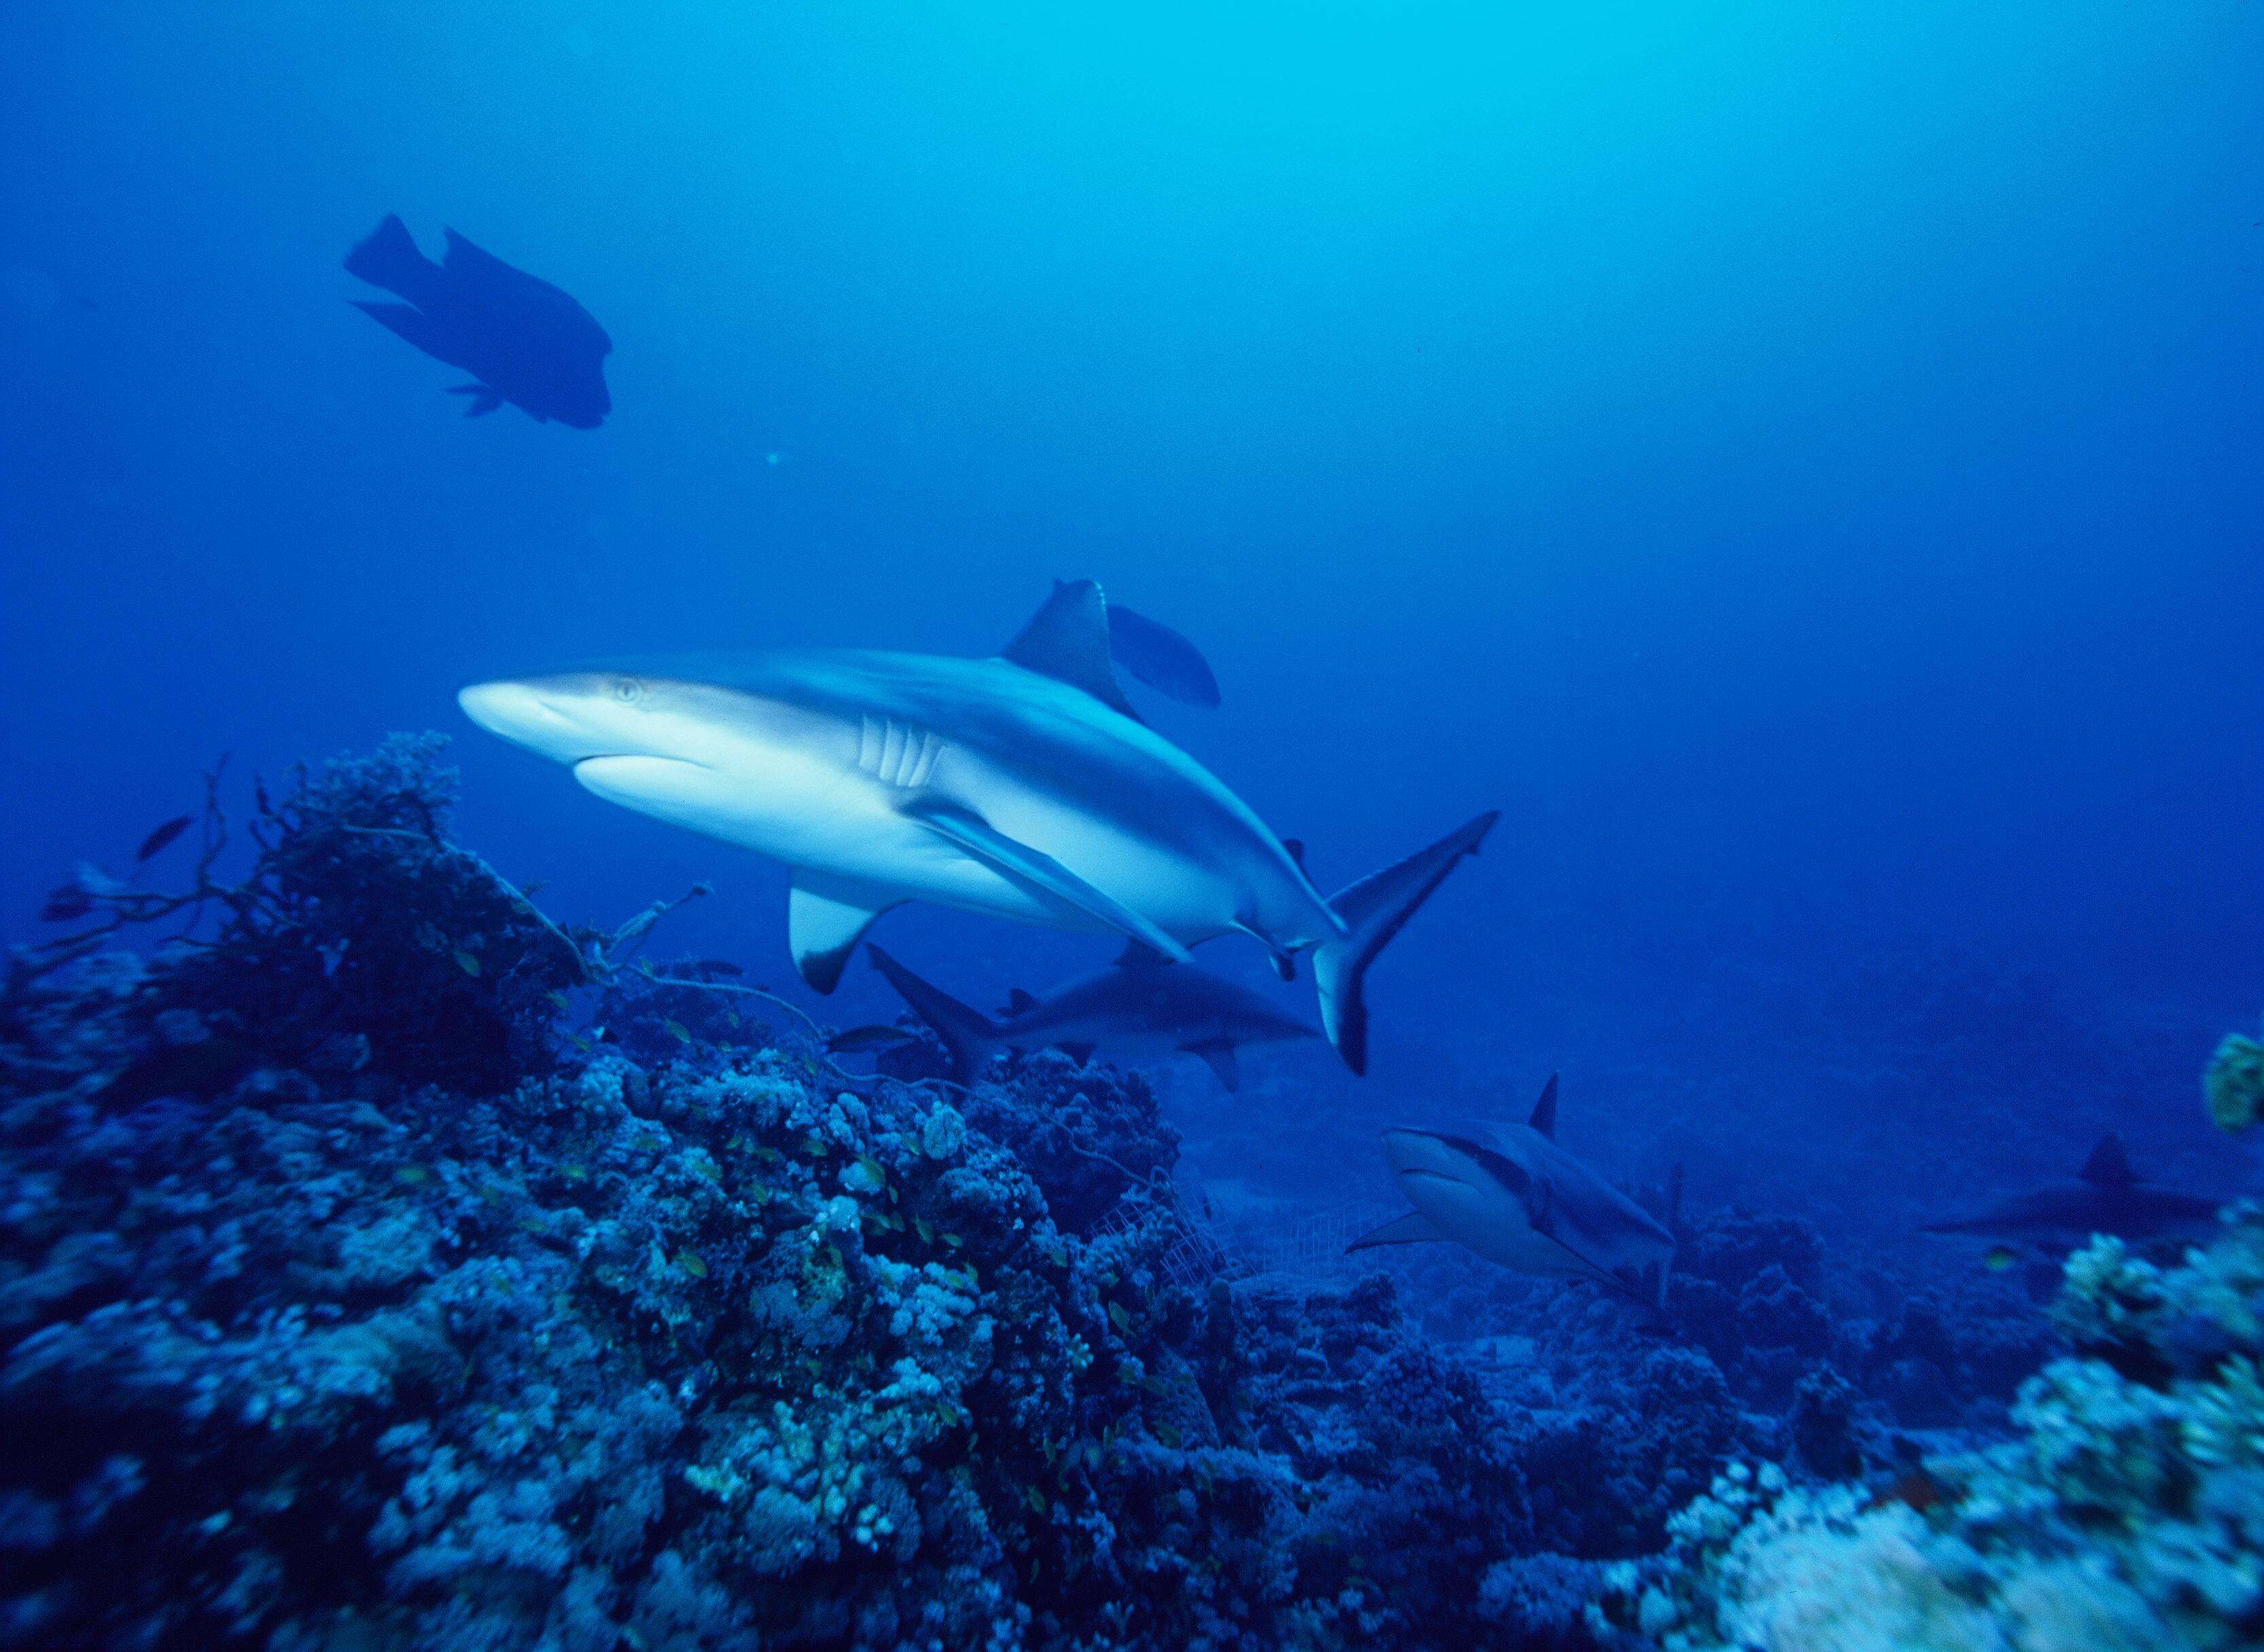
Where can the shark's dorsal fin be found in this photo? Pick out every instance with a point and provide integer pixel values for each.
(1067, 639)
(1019, 1002)
(1544, 1111)
(1140, 955)
(1297, 848)
(2108, 1165)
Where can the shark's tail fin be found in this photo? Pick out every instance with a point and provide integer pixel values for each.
(968, 1034)
(1373, 910)
(389, 258)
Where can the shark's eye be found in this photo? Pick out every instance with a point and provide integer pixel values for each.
(627, 690)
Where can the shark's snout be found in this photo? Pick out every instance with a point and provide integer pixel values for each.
(524, 714)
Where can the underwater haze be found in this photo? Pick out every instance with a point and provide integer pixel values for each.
(1804, 468)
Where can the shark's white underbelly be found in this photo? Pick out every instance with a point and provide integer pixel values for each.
(849, 825)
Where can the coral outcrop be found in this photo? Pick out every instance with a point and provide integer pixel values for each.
(2126, 1512)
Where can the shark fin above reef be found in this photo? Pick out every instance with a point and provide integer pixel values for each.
(1373, 911)
(1544, 1111)
(823, 920)
(1414, 1229)
(1019, 1002)
(1036, 870)
(2108, 1165)
(1068, 639)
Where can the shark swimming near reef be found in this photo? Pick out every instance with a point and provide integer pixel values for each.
(1140, 1006)
(1510, 1193)
(1024, 786)
(2107, 1197)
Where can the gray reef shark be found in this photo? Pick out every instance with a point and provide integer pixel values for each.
(1141, 1006)
(2107, 1197)
(1024, 786)
(1510, 1193)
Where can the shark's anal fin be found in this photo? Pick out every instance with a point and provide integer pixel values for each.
(1067, 639)
(1544, 1111)
(823, 920)
(1414, 1229)
(1036, 869)
(1219, 1055)
(2108, 1165)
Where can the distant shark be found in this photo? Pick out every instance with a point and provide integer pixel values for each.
(1140, 1006)
(1024, 787)
(1510, 1193)
(2107, 1197)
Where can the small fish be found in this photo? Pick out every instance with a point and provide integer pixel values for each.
(466, 962)
(529, 342)
(705, 968)
(67, 905)
(2001, 1257)
(850, 1039)
(166, 834)
(677, 1030)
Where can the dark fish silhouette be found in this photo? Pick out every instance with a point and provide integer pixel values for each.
(1140, 1006)
(2107, 1196)
(528, 342)
(166, 834)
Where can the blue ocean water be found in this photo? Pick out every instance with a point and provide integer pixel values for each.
(1805, 469)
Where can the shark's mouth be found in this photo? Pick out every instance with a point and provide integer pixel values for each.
(630, 775)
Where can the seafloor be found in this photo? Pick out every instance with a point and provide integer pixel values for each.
(386, 1265)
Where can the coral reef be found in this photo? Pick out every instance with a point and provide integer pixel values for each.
(2126, 1510)
(2234, 1084)
(391, 1266)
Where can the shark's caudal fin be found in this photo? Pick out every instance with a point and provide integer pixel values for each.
(1373, 911)
(968, 1034)
(389, 258)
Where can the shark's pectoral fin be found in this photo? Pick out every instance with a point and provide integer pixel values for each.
(1219, 1057)
(823, 920)
(1036, 869)
(1414, 1229)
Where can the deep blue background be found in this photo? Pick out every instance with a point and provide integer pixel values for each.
(1808, 469)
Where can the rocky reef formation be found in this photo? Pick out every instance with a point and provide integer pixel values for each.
(2125, 1514)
